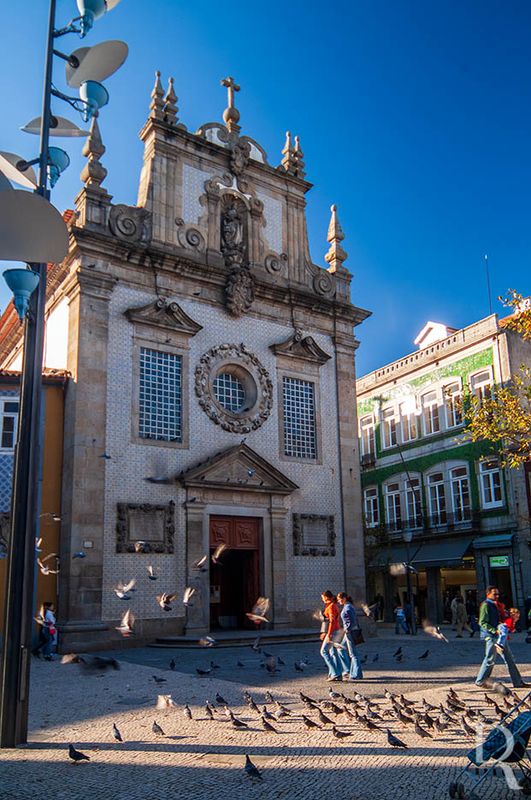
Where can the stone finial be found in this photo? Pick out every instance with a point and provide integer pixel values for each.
(170, 105)
(93, 173)
(336, 255)
(299, 162)
(289, 160)
(231, 115)
(157, 103)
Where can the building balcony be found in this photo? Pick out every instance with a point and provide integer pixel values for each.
(444, 521)
(368, 461)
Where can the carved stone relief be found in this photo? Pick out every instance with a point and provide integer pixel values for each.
(239, 291)
(130, 223)
(314, 535)
(253, 376)
(145, 528)
(189, 237)
(301, 347)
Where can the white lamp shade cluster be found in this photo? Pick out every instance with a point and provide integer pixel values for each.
(31, 229)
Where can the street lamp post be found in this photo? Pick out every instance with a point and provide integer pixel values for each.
(407, 536)
(14, 680)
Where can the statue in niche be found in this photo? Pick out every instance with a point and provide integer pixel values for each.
(232, 244)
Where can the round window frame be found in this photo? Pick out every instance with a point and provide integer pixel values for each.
(247, 368)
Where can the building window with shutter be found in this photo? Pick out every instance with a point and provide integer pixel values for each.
(160, 396)
(300, 432)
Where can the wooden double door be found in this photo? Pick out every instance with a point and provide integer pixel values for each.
(235, 580)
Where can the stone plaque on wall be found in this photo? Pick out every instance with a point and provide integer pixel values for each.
(314, 535)
(145, 528)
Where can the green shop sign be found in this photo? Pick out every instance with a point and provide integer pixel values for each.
(499, 561)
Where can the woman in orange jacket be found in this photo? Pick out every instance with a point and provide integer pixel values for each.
(328, 651)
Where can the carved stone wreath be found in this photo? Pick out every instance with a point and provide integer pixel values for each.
(227, 357)
(303, 543)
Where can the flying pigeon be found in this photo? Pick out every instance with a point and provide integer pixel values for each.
(151, 573)
(434, 630)
(218, 552)
(207, 641)
(165, 600)
(201, 564)
(44, 568)
(122, 590)
(126, 624)
(260, 609)
(188, 594)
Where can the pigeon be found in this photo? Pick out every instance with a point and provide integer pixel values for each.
(126, 624)
(304, 698)
(123, 590)
(399, 658)
(238, 723)
(158, 680)
(271, 664)
(165, 600)
(216, 555)
(323, 718)
(97, 663)
(267, 725)
(424, 655)
(240, 664)
(251, 769)
(394, 741)
(375, 658)
(467, 728)
(309, 723)
(207, 641)
(333, 694)
(200, 565)
(76, 755)
(269, 697)
(364, 659)
(434, 630)
(209, 712)
(285, 711)
(172, 664)
(397, 652)
(256, 645)
(421, 732)
(220, 700)
(187, 712)
(266, 714)
(202, 672)
(340, 734)
(298, 667)
(116, 733)
(187, 596)
(151, 573)
(280, 662)
(157, 730)
(44, 568)
(164, 701)
(260, 609)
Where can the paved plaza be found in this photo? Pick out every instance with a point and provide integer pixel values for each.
(201, 757)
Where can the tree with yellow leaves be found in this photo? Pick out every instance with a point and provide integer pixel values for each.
(504, 418)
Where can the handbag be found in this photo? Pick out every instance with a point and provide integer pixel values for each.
(357, 636)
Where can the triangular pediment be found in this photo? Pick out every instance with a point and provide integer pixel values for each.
(238, 468)
(301, 347)
(164, 314)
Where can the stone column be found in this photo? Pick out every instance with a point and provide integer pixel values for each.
(80, 595)
(280, 520)
(434, 604)
(349, 464)
(197, 545)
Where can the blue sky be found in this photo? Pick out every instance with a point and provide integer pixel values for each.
(414, 117)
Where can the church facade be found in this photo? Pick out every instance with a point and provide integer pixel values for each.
(211, 400)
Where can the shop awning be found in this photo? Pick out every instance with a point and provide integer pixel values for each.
(495, 540)
(393, 555)
(446, 553)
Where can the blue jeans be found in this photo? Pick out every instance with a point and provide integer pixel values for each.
(487, 665)
(402, 623)
(329, 655)
(349, 658)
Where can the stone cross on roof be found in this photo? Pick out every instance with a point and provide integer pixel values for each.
(231, 115)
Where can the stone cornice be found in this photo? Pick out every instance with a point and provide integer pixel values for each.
(301, 347)
(164, 314)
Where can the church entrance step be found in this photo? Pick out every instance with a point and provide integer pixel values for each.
(241, 638)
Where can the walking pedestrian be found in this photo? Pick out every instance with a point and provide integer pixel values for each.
(328, 650)
(453, 609)
(48, 631)
(489, 620)
(461, 619)
(400, 620)
(348, 657)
